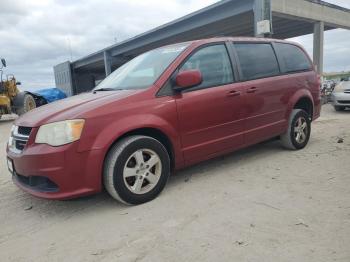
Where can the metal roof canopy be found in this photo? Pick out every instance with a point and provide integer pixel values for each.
(225, 18)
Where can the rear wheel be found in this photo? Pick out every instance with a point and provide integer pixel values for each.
(299, 130)
(136, 169)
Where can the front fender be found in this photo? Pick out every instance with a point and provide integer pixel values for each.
(114, 130)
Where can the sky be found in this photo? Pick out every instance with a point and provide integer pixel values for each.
(38, 34)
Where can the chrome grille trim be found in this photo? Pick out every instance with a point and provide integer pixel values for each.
(17, 141)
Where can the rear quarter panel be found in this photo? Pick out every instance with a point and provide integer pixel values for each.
(306, 85)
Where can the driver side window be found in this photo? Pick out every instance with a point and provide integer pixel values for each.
(214, 64)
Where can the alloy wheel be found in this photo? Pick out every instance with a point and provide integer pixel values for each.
(142, 171)
(300, 130)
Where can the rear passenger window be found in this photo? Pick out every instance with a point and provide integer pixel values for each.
(214, 63)
(292, 58)
(257, 60)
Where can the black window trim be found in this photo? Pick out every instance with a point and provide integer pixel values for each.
(241, 76)
(279, 59)
(235, 64)
(171, 78)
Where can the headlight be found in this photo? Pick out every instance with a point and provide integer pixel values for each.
(60, 133)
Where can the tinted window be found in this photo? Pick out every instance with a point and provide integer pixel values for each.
(257, 60)
(214, 64)
(292, 58)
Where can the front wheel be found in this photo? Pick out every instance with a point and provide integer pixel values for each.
(299, 130)
(136, 169)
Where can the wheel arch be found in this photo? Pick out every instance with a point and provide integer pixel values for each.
(151, 132)
(301, 100)
(306, 104)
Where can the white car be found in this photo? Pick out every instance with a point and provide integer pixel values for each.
(341, 96)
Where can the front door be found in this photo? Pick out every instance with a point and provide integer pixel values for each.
(211, 115)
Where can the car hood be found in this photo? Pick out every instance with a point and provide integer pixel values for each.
(342, 86)
(71, 108)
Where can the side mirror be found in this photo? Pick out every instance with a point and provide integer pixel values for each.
(18, 83)
(3, 62)
(187, 79)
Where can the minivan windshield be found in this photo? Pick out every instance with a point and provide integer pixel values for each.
(142, 71)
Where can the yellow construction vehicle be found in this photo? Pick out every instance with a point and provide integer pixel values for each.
(12, 100)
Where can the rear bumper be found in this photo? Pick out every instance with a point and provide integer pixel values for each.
(57, 172)
(340, 99)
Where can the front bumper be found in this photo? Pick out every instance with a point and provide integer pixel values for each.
(340, 99)
(57, 172)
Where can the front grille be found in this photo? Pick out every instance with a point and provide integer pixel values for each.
(19, 138)
(343, 101)
(25, 131)
(20, 144)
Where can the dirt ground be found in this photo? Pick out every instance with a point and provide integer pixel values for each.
(260, 204)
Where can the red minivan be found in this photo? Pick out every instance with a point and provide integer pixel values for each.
(164, 110)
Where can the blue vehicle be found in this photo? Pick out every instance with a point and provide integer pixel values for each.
(27, 100)
(45, 96)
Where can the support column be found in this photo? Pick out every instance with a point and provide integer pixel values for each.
(318, 46)
(108, 63)
(262, 18)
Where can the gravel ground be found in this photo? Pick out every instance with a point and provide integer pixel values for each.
(260, 204)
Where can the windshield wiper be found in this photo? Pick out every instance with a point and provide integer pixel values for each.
(107, 89)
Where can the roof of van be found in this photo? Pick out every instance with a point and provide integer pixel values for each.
(239, 39)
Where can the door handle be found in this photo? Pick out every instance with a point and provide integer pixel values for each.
(234, 93)
(252, 90)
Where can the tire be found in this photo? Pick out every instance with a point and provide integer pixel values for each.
(293, 138)
(27, 103)
(130, 175)
(339, 108)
